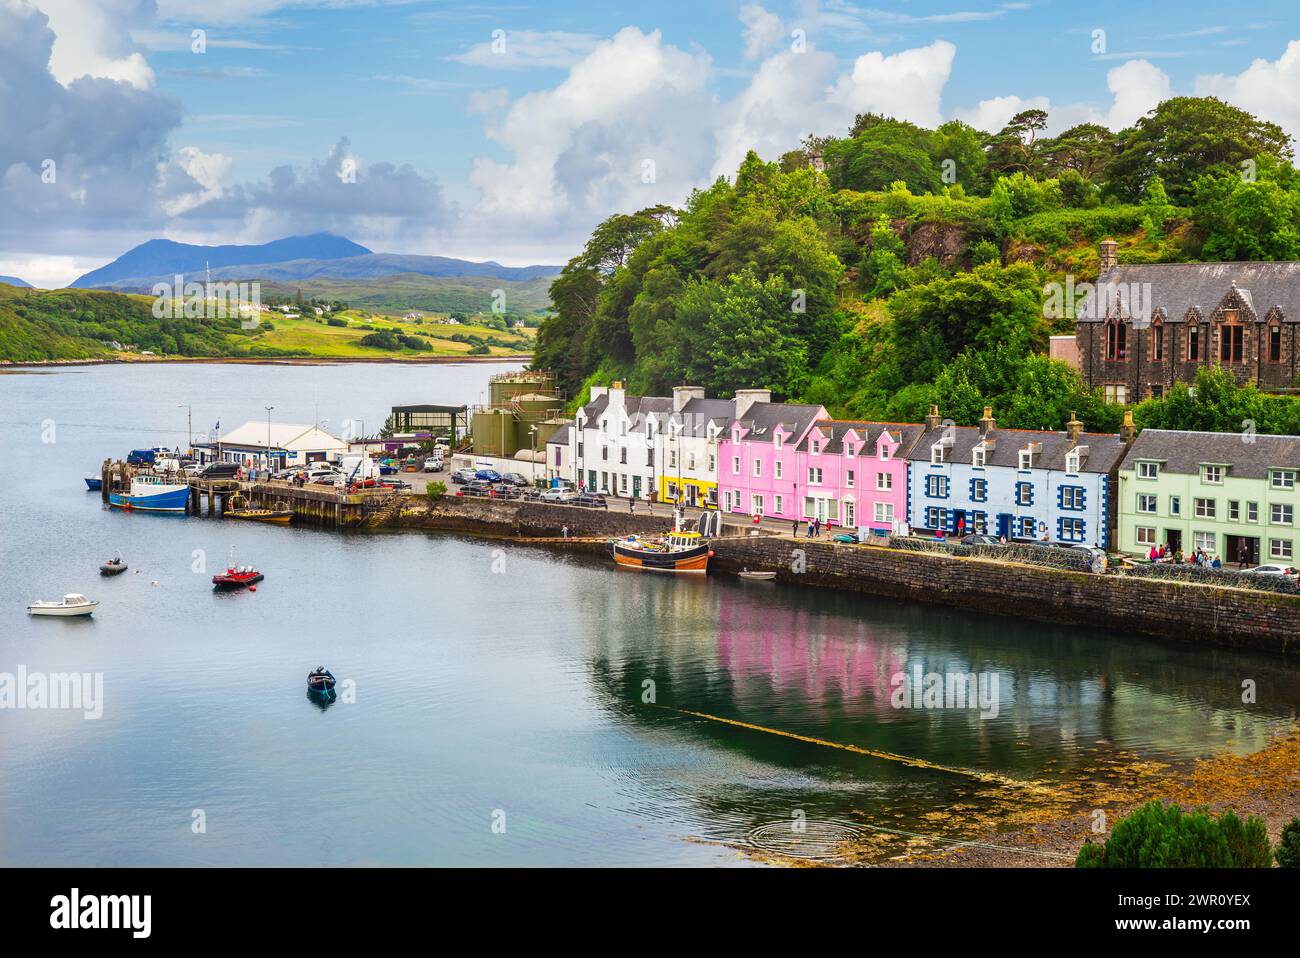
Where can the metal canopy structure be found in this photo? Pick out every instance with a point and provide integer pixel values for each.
(449, 421)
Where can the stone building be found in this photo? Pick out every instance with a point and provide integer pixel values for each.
(1143, 328)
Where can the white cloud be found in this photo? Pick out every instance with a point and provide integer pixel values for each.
(906, 85)
(1269, 89)
(763, 30)
(1137, 86)
(992, 115)
(524, 49)
(92, 38)
(206, 170)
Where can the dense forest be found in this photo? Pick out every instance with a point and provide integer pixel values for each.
(896, 266)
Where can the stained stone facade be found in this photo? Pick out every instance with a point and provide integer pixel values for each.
(1145, 327)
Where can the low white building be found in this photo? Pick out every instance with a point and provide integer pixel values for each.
(276, 446)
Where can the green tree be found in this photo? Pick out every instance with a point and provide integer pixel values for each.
(1185, 138)
(1250, 220)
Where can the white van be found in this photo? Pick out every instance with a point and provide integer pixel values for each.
(359, 467)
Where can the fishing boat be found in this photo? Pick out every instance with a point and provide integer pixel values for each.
(321, 683)
(757, 576)
(114, 566)
(152, 494)
(676, 552)
(71, 604)
(280, 515)
(94, 483)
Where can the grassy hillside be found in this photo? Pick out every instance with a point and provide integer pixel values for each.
(411, 291)
(71, 324)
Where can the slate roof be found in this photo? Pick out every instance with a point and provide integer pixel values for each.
(906, 433)
(1176, 288)
(1184, 452)
(560, 437)
(763, 417)
(1104, 449)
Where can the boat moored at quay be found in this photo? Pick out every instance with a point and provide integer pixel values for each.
(152, 494)
(687, 552)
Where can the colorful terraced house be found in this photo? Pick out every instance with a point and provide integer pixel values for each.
(1024, 485)
(1231, 495)
(758, 464)
(854, 474)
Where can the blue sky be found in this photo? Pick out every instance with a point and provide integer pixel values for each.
(512, 149)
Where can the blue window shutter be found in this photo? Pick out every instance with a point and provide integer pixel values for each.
(1083, 497)
(1060, 497)
(1060, 528)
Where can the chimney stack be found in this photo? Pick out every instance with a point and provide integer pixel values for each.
(932, 420)
(1108, 254)
(988, 423)
(1074, 429)
(747, 397)
(1128, 431)
(684, 394)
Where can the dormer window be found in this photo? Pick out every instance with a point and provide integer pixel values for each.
(977, 456)
(1026, 459)
(816, 447)
(883, 452)
(936, 453)
(1212, 474)
(779, 439)
(1148, 470)
(1072, 461)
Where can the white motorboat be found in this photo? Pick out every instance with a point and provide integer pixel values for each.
(70, 604)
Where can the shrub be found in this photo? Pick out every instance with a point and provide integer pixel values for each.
(336, 321)
(1288, 846)
(436, 490)
(1164, 836)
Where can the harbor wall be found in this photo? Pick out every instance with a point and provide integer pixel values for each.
(1184, 611)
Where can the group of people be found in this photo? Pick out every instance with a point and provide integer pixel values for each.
(814, 528)
(1175, 556)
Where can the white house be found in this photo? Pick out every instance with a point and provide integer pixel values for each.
(617, 443)
(288, 444)
(559, 454)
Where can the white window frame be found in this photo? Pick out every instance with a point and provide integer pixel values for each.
(1205, 508)
(1280, 549)
(1145, 535)
(1148, 470)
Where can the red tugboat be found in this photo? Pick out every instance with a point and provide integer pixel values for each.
(236, 576)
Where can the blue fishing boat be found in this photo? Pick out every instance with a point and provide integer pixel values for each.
(152, 494)
(94, 483)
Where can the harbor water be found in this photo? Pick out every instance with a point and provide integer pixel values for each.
(501, 704)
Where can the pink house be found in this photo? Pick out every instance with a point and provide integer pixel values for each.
(854, 474)
(758, 468)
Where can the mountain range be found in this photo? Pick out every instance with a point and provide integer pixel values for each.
(15, 281)
(318, 256)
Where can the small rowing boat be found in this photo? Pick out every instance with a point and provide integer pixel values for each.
(321, 683)
(70, 604)
(757, 576)
(94, 483)
(114, 566)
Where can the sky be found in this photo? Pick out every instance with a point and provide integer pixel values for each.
(507, 131)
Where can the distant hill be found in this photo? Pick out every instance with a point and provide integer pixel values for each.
(15, 281)
(430, 294)
(298, 259)
(162, 259)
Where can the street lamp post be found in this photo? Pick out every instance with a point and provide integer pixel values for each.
(189, 423)
(268, 440)
(532, 433)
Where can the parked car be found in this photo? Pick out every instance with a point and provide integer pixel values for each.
(488, 475)
(513, 479)
(461, 476)
(559, 495)
(433, 464)
(395, 483)
(477, 487)
(974, 539)
(1282, 570)
(219, 470)
(592, 500)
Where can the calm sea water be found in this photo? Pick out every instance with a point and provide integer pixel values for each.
(494, 685)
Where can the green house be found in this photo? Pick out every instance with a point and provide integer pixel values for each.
(1233, 495)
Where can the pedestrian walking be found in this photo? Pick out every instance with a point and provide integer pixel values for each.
(794, 528)
(564, 531)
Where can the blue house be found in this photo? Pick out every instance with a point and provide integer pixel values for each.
(1021, 484)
